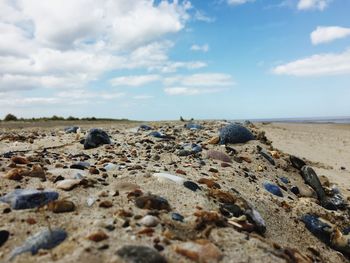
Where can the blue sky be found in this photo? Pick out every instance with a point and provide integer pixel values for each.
(156, 60)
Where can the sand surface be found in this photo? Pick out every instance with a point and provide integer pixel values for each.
(137, 157)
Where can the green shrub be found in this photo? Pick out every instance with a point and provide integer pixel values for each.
(10, 117)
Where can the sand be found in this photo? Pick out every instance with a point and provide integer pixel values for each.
(138, 157)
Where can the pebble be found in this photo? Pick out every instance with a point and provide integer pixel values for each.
(169, 177)
(16, 174)
(46, 239)
(140, 254)
(216, 155)
(214, 140)
(98, 236)
(159, 135)
(95, 138)
(149, 221)
(296, 162)
(4, 235)
(152, 202)
(19, 160)
(37, 171)
(111, 167)
(177, 217)
(28, 198)
(318, 227)
(71, 129)
(144, 127)
(284, 180)
(209, 183)
(273, 189)
(67, 184)
(200, 251)
(340, 241)
(191, 185)
(193, 126)
(80, 165)
(61, 206)
(235, 133)
(106, 204)
(257, 219)
(90, 201)
(267, 156)
(189, 148)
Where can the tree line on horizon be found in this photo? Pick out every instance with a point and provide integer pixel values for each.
(12, 117)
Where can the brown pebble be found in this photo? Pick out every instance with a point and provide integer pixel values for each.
(212, 154)
(97, 236)
(210, 183)
(180, 172)
(106, 204)
(19, 160)
(61, 206)
(214, 140)
(93, 170)
(152, 202)
(16, 174)
(31, 221)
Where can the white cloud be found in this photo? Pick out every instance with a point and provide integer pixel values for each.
(134, 81)
(328, 34)
(201, 16)
(201, 80)
(188, 91)
(203, 48)
(313, 4)
(143, 97)
(238, 2)
(317, 65)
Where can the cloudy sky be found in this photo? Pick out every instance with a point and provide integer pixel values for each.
(151, 60)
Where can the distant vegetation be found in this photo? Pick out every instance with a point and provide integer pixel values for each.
(11, 117)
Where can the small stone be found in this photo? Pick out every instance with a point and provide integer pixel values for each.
(37, 171)
(284, 180)
(111, 167)
(71, 129)
(179, 171)
(235, 133)
(106, 204)
(177, 217)
(224, 165)
(214, 140)
(191, 185)
(19, 160)
(144, 127)
(67, 184)
(193, 126)
(169, 177)
(140, 254)
(4, 235)
(275, 154)
(200, 251)
(152, 202)
(295, 190)
(93, 170)
(80, 165)
(216, 155)
(28, 198)
(97, 236)
(318, 226)
(267, 156)
(95, 138)
(149, 221)
(61, 206)
(16, 174)
(273, 189)
(210, 183)
(297, 162)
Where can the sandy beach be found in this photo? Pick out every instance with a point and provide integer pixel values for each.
(183, 203)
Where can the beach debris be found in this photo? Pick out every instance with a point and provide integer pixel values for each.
(169, 177)
(138, 254)
(340, 241)
(177, 217)
(149, 221)
(216, 155)
(209, 183)
(28, 198)
(46, 239)
(267, 156)
(159, 135)
(193, 126)
(235, 133)
(200, 250)
(71, 129)
(16, 174)
(152, 202)
(296, 162)
(273, 189)
(319, 227)
(4, 235)
(68, 184)
(95, 138)
(189, 148)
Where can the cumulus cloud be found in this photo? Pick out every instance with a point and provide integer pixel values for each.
(189, 91)
(203, 48)
(328, 34)
(238, 2)
(317, 65)
(313, 4)
(134, 81)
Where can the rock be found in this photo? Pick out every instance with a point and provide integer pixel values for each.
(61, 206)
(28, 198)
(192, 186)
(340, 241)
(16, 174)
(200, 251)
(267, 156)
(170, 177)
(4, 235)
(177, 217)
(152, 202)
(230, 210)
(46, 239)
(19, 160)
(210, 183)
(98, 236)
(95, 138)
(140, 254)
(214, 140)
(144, 127)
(319, 227)
(71, 129)
(159, 135)
(67, 184)
(257, 219)
(284, 180)
(193, 126)
(275, 154)
(189, 148)
(296, 162)
(106, 204)
(37, 171)
(295, 190)
(235, 133)
(80, 165)
(149, 221)
(111, 167)
(216, 155)
(273, 189)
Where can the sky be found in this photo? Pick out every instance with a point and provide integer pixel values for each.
(162, 59)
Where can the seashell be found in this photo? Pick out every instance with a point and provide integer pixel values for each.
(267, 156)
(145, 127)
(177, 217)
(37, 171)
(170, 177)
(296, 162)
(210, 183)
(191, 185)
(71, 129)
